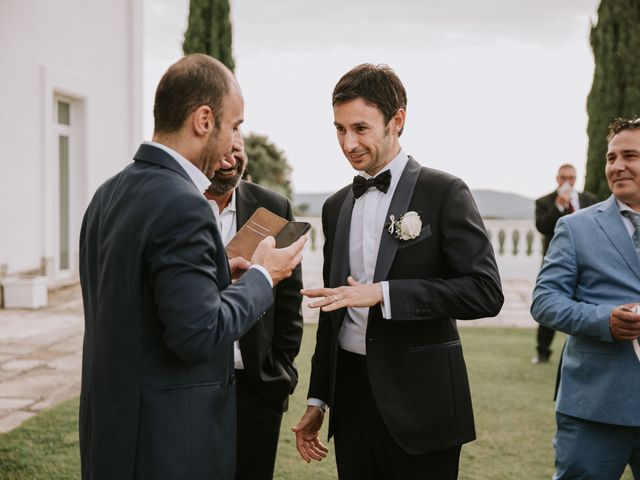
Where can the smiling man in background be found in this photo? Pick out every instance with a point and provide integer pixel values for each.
(264, 356)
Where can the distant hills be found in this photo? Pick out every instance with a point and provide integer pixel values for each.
(492, 204)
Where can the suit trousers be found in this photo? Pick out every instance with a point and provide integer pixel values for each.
(258, 432)
(364, 447)
(587, 450)
(545, 337)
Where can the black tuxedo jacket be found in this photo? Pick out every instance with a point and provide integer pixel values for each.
(271, 345)
(158, 394)
(547, 214)
(415, 362)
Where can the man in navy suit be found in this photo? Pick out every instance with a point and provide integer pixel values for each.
(405, 255)
(588, 288)
(264, 357)
(161, 314)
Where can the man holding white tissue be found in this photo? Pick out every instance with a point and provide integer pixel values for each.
(564, 200)
(588, 288)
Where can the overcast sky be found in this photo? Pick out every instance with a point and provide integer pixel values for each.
(496, 88)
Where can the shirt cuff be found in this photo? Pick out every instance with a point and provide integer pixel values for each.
(316, 402)
(385, 306)
(264, 272)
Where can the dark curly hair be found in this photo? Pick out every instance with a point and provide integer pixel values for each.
(620, 124)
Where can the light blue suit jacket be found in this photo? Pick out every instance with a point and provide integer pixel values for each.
(590, 268)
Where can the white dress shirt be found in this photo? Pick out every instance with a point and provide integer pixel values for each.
(227, 224)
(198, 178)
(368, 218)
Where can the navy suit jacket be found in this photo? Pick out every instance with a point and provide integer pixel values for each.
(590, 268)
(158, 394)
(414, 360)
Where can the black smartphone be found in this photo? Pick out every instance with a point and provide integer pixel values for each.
(291, 232)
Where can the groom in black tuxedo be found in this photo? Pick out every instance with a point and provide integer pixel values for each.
(405, 255)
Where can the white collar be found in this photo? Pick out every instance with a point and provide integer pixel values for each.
(198, 178)
(231, 207)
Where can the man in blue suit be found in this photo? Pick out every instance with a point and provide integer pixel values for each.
(588, 287)
(161, 314)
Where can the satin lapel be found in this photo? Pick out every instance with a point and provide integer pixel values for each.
(340, 255)
(399, 205)
(245, 205)
(613, 227)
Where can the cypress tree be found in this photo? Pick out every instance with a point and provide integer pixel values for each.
(209, 30)
(615, 92)
(267, 165)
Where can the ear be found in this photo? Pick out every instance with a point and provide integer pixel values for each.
(203, 121)
(397, 121)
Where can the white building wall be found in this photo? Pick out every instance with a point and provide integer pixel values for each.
(89, 50)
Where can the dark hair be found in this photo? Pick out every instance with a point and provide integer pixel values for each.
(620, 124)
(377, 85)
(193, 81)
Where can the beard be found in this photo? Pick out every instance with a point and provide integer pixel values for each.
(220, 185)
(210, 156)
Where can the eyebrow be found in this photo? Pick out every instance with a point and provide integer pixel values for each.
(624, 152)
(357, 124)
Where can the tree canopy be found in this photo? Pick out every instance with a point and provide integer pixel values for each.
(615, 92)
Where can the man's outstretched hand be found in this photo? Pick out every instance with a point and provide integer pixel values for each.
(307, 440)
(354, 295)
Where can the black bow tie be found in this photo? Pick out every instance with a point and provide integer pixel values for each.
(381, 182)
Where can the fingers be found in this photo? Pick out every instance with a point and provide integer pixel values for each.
(310, 447)
(332, 297)
(624, 323)
(298, 245)
(352, 282)
(239, 263)
(269, 242)
(317, 292)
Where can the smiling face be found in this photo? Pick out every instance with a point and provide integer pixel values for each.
(222, 137)
(231, 168)
(368, 143)
(623, 167)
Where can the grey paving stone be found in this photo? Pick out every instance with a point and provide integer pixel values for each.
(67, 362)
(60, 395)
(8, 405)
(13, 420)
(21, 365)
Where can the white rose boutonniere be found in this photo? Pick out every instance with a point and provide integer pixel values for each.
(407, 227)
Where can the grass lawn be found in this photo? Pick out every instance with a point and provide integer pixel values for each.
(512, 402)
